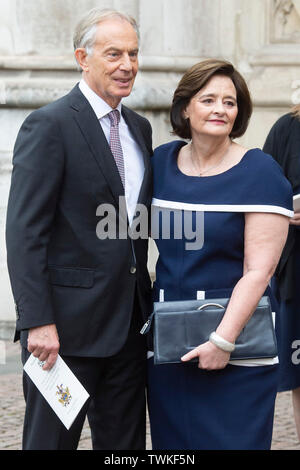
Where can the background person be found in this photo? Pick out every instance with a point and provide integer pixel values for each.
(213, 404)
(75, 294)
(283, 143)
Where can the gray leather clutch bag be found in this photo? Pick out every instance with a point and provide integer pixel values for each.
(180, 326)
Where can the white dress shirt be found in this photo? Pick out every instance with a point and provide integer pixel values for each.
(133, 158)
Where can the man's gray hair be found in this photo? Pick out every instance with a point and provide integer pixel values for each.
(85, 31)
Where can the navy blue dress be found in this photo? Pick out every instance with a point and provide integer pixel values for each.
(190, 408)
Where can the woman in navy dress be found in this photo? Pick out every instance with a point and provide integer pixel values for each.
(283, 143)
(247, 202)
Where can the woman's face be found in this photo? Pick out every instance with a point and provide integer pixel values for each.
(213, 110)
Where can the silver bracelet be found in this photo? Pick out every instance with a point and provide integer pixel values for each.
(221, 342)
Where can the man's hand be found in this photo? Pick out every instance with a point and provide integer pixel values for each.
(43, 343)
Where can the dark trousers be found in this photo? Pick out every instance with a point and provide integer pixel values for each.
(116, 409)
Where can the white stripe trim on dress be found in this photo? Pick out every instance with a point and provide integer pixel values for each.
(221, 207)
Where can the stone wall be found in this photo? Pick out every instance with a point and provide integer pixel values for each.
(261, 37)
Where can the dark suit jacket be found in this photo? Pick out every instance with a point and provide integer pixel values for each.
(283, 143)
(60, 271)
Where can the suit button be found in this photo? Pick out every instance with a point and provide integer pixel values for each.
(132, 270)
(17, 312)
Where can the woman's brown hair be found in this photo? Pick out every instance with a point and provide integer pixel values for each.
(196, 78)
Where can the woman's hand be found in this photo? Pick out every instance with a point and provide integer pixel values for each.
(296, 219)
(210, 356)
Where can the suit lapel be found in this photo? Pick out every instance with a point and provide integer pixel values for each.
(134, 127)
(96, 140)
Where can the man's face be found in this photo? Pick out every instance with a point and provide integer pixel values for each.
(112, 67)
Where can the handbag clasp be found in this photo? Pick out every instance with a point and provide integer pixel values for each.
(210, 305)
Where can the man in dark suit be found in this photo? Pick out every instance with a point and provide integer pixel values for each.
(79, 294)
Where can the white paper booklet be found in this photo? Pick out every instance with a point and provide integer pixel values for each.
(60, 388)
(296, 203)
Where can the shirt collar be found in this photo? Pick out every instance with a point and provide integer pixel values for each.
(100, 107)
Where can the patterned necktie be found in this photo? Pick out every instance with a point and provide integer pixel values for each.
(115, 143)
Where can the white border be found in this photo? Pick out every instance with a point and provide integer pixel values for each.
(221, 207)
